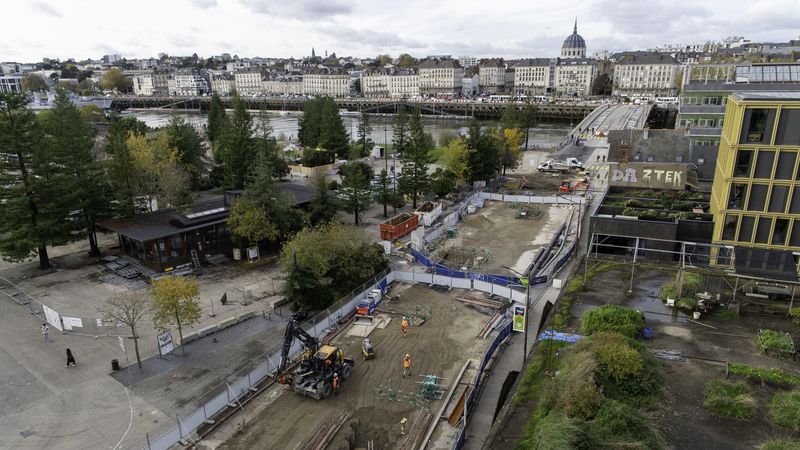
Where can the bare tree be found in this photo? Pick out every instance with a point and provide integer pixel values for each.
(128, 308)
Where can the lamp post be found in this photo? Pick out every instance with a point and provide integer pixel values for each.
(527, 282)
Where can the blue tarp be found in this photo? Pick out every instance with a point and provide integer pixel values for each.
(558, 336)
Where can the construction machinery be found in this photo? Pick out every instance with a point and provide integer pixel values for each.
(367, 350)
(366, 307)
(314, 374)
(572, 186)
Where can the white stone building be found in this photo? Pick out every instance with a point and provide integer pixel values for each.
(492, 73)
(189, 83)
(248, 83)
(440, 77)
(326, 82)
(283, 86)
(143, 85)
(11, 83)
(574, 76)
(532, 76)
(646, 75)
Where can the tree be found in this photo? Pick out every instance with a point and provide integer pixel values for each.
(120, 166)
(266, 147)
(528, 119)
(364, 131)
(385, 194)
(510, 118)
(35, 209)
(333, 135)
(356, 177)
(602, 84)
(216, 118)
(158, 178)
(509, 141)
(383, 59)
(303, 288)
(189, 146)
(443, 182)
(406, 61)
(114, 80)
(68, 132)
(456, 158)
(400, 132)
(32, 82)
(483, 158)
(249, 222)
(324, 204)
(128, 308)
(236, 151)
(321, 127)
(174, 301)
(414, 177)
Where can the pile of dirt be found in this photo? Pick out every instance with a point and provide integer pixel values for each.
(480, 222)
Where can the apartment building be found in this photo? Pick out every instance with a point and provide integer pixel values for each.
(492, 74)
(248, 82)
(222, 84)
(326, 82)
(646, 75)
(755, 198)
(573, 77)
(284, 85)
(532, 76)
(375, 83)
(440, 77)
(706, 88)
(11, 83)
(187, 83)
(403, 83)
(143, 85)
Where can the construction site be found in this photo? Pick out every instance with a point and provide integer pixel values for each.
(377, 406)
(499, 236)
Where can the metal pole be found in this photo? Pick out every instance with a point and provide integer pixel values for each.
(791, 302)
(527, 316)
(213, 314)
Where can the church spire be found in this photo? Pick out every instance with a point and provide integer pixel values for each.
(313, 55)
(575, 30)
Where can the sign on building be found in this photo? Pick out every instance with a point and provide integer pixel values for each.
(165, 345)
(72, 322)
(519, 318)
(52, 317)
(648, 175)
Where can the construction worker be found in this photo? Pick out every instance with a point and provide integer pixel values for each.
(404, 326)
(335, 384)
(406, 365)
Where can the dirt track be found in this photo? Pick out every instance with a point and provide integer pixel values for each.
(439, 346)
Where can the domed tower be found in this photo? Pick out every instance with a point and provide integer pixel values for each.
(574, 45)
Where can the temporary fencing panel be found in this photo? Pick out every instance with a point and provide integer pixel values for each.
(483, 286)
(462, 283)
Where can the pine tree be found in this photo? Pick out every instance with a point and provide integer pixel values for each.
(68, 133)
(120, 167)
(400, 132)
(216, 118)
(385, 195)
(355, 188)
(185, 139)
(35, 209)
(364, 131)
(414, 178)
(236, 150)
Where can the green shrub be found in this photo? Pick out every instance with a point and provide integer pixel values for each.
(618, 426)
(619, 360)
(578, 395)
(794, 313)
(773, 375)
(532, 380)
(728, 314)
(784, 407)
(669, 290)
(780, 444)
(774, 340)
(692, 284)
(686, 303)
(729, 399)
(615, 318)
(554, 431)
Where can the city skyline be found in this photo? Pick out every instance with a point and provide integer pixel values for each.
(89, 29)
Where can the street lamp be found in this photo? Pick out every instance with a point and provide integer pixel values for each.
(527, 282)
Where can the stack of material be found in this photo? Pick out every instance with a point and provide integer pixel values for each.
(326, 432)
(485, 302)
(430, 387)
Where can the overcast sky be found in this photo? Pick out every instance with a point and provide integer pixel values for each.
(83, 29)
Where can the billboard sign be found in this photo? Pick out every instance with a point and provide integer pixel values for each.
(519, 318)
(165, 345)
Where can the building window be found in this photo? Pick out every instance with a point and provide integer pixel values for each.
(779, 234)
(746, 229)
(762, 232)
(788, 128)
(757, 198)
(757, 126)
(794, 205)
(794, 238)
(744, 158)
(777, 201)
(785, 167)
(729, 229)
(764, 162)
(736, 198)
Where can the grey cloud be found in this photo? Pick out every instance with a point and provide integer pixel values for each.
(376, 39)
(301, 9)
(204, 3)
(652, 17)
(45, 9)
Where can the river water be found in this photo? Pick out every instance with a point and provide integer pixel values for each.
(545, 135)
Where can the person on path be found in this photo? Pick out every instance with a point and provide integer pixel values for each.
(406, 365)
(335, 384)
(404, 326)
(70, 359)
(46, 332)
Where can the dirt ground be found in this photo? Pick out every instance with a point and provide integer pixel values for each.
(440, 347)
(683, 419)
(507, 241)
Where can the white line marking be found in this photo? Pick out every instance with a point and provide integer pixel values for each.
(129, 423)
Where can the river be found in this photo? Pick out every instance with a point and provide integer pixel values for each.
(544, 135)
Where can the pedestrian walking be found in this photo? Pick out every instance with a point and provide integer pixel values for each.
(46, 332)
(70, 359)
(335, 384)
(598, 158)
(406, 365)
(604, 158)
(404, 326)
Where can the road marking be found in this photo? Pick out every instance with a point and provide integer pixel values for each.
(129, 423)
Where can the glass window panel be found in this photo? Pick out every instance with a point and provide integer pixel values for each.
(785, 167)
(744, 159)
(762, 232)
(794, 239)
(757, 126)
(788, 128)
(794, 205)
(777, 200)
(746, 229)
(764, 162)
(736, 197)
(758, 196)
(729, 229)
(779, 234)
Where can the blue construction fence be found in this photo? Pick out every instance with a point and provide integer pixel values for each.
(474, 393)
(500, 280)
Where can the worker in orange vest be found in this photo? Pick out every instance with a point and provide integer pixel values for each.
(406, 365)
(404, 326)
(335, 384)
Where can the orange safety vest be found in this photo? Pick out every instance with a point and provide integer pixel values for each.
(406, 363)
(404, 324)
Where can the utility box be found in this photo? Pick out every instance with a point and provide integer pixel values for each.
(399, 226)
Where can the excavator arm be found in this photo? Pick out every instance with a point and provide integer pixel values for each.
(293, 330)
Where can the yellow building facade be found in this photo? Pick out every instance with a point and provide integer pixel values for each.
(755, 198)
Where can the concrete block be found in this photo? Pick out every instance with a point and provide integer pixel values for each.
(228, 322)
(208, 330)
(244, 316)
(189, 337)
